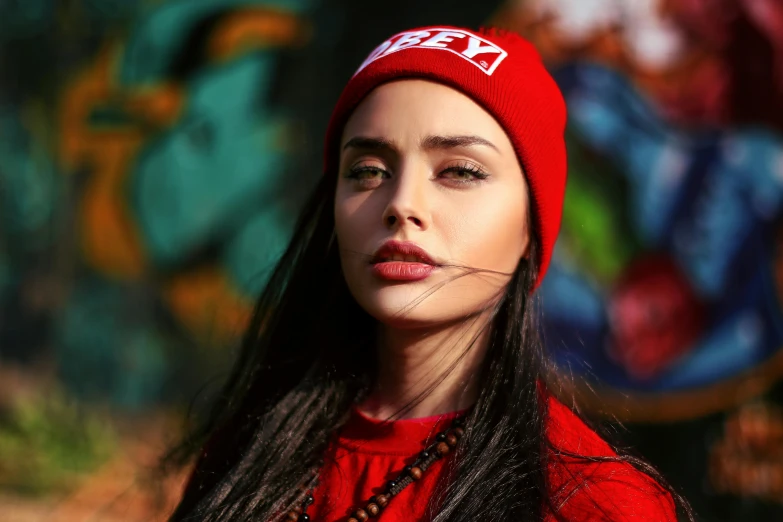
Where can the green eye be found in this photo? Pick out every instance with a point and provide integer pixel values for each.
(367, 173)
(461, 174)
(464, 174)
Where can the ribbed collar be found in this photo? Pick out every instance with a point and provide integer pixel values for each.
(397, 437)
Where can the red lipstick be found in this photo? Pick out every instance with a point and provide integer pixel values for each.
(402, 261)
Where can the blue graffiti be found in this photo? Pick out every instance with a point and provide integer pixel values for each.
(709, 200)
(213, 170)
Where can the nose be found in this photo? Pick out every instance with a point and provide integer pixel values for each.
(407, 205)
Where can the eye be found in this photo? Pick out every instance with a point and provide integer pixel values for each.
(464, 173)
(367, 172)
(367, 176)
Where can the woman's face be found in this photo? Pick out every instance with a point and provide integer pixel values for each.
(431, 205)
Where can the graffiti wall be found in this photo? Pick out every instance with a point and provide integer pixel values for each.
(144, 153)
(666, 298)
(154, 153)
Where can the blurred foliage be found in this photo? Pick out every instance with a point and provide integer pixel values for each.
(594, 231)
(48, 442)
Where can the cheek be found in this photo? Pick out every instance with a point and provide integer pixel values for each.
(489, 233)
(353, 221)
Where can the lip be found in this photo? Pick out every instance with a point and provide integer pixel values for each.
(404, 248)
(401, 270)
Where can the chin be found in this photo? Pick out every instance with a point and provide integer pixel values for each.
(406, 307)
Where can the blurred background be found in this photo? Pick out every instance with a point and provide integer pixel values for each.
(154, 153)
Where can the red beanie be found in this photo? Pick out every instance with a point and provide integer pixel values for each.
(500, 71)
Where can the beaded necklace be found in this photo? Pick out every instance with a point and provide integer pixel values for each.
(445, 442)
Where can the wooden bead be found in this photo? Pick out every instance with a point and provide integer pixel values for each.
(445, 441)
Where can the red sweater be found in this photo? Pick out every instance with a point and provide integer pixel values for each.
(369, 452)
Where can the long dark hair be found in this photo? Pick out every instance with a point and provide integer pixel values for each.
(308, 356)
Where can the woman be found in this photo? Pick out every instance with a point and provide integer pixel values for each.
(392, 368)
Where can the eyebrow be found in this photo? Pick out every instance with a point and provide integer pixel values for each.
(367, 143)
(430, 142)
(453, 142)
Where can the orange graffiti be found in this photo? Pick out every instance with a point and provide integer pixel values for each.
(205, 300)
(109, 241)
(748, 459)
(109, 238)
(154, 107)
(255, 29)
(81, 143)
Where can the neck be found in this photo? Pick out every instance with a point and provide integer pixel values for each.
(424, 372)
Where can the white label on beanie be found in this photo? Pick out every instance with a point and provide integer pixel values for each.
(480, 52)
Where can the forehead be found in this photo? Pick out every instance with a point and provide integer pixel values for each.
(420, 107)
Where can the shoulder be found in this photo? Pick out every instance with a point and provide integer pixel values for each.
(586, 480)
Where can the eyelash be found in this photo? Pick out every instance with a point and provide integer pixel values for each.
(477, 174)
(356, 172)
